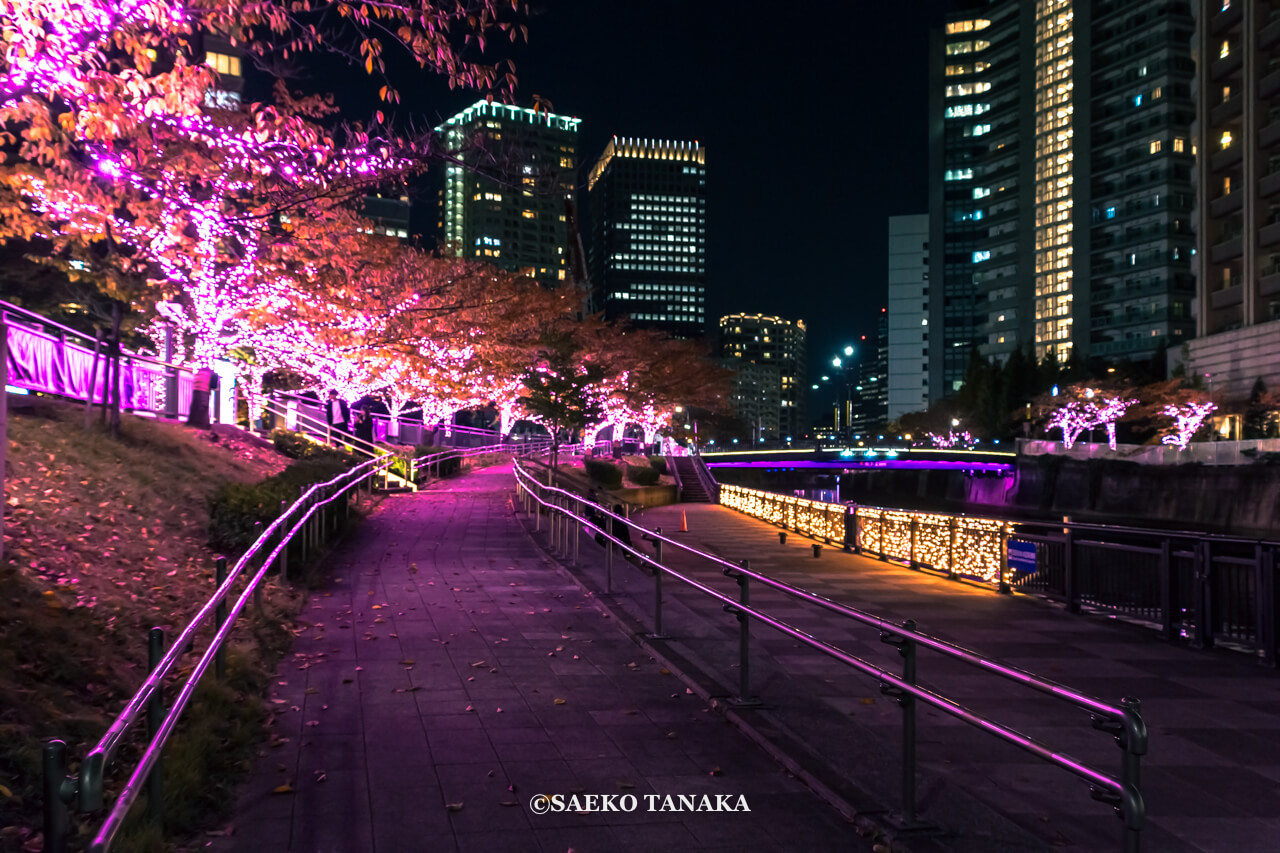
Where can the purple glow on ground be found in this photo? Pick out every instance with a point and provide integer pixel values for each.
(917, 464)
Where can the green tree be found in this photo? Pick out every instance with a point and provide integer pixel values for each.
(563, 385)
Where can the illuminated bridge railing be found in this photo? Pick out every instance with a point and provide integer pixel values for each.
(956, 545)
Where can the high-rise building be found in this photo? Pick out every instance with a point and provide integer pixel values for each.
(756, 397)
(1061, 158)
(908, 316)
(1238, 187)
(869, 400)
(760, 339)
(387, 214)
(649, 221)
(507, 201)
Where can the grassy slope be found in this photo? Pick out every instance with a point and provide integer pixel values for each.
(103, 540)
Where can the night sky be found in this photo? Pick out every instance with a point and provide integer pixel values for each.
(815, 128)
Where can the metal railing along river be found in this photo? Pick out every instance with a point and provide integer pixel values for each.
(566, 515)
(1209, 588)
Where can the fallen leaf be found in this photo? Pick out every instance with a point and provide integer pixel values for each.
(286, 788)
(453, 807)
(559, 701)
(716, 771)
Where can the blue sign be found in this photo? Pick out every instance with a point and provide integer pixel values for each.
(1022, 556)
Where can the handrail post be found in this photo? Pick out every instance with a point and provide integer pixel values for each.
(1202, 638)
(54, 760)
(577, 538)
(1004, 587)
(155, 719)
(1266, 563)
(1168, 591)
(220, 617)
(744, 633)
(284, 551)
(1130, 734)
(657, 583)
(907, 649)
(608, 554)
(915, 526)
(1070, 589)
(951, 545)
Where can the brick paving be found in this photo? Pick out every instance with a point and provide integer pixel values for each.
(449, 672)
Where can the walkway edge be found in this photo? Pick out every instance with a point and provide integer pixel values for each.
(863, 811)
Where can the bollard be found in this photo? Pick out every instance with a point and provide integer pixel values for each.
(155, 717)
(817, 550)
(54, 760)
(782, 537)
(220, 618)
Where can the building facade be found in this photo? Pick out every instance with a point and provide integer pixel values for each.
(756, 397)
(648, 202)
(1237, 219)
(869, 400)
(907, 334)
(772, 341)
(1066, 125)
(508, 200)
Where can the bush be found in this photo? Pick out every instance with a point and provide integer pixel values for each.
(605, 473)
(643, 475)
(235, 508)
(448, 466)
(297, 445)
(659, 464)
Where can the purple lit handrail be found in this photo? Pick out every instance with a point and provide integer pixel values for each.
(940, 702)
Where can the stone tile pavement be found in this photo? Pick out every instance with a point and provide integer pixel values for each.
(1211, 780)
(449, 673)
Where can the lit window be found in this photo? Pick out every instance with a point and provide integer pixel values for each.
(1137, 100)
(1179, 144)
(528, 214)
(1226, 139)
(1157, 92)
(978, 257)
(1111, 213)
(223, 63)
(1155, 146)
(981, 192)
(1225, 51)
(1226, 185)
(958, 174)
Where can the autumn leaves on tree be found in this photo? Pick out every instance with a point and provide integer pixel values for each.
(239, 227)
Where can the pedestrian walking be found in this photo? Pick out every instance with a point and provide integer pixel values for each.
(336, 415)
(203, 384)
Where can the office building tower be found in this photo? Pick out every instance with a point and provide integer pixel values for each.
(649, 223)
(1066, 125)
(507, 200)
(1238, 190)
(387, 214)
(228, 60)
(756, 397)
(907, 336)
(760, 339)
(869, 397)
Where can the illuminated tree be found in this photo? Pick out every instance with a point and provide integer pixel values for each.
(1187, 419)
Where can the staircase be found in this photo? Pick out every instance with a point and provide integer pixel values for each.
(691, 488)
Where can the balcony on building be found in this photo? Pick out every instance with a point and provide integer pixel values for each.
(1228, 109)
(1230, 245)
(1226, 203)
(1224, 66)
(1269, 84)
(1231, 294)
(1226, 158)
(1270, 33)
(1223, 20)
(1269, 280)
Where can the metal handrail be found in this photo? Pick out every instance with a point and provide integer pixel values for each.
(8, 308)
(1122, 720)
(86, 789)
(320, 427)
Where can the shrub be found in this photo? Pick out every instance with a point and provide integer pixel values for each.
(295, 445)
(236, 507)
(659, 464)
(605, 473)
(448, 466)
(643, 475)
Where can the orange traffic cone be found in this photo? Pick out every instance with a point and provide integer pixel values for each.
(684, 522)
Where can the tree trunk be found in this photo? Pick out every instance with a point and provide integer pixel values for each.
(93, 377)
(117, 316)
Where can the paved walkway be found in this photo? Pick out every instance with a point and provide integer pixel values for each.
(450, 673)
(1211, 780)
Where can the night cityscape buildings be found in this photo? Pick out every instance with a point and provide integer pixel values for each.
(509, 197)
(1237, 219)
(1060, 205)
(772, 341)
(648, 205)
(907, 361)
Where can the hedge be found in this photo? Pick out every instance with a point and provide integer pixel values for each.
(643, 475)
(603, 472)
(236, 507)
(659, 464)
(297, 445)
